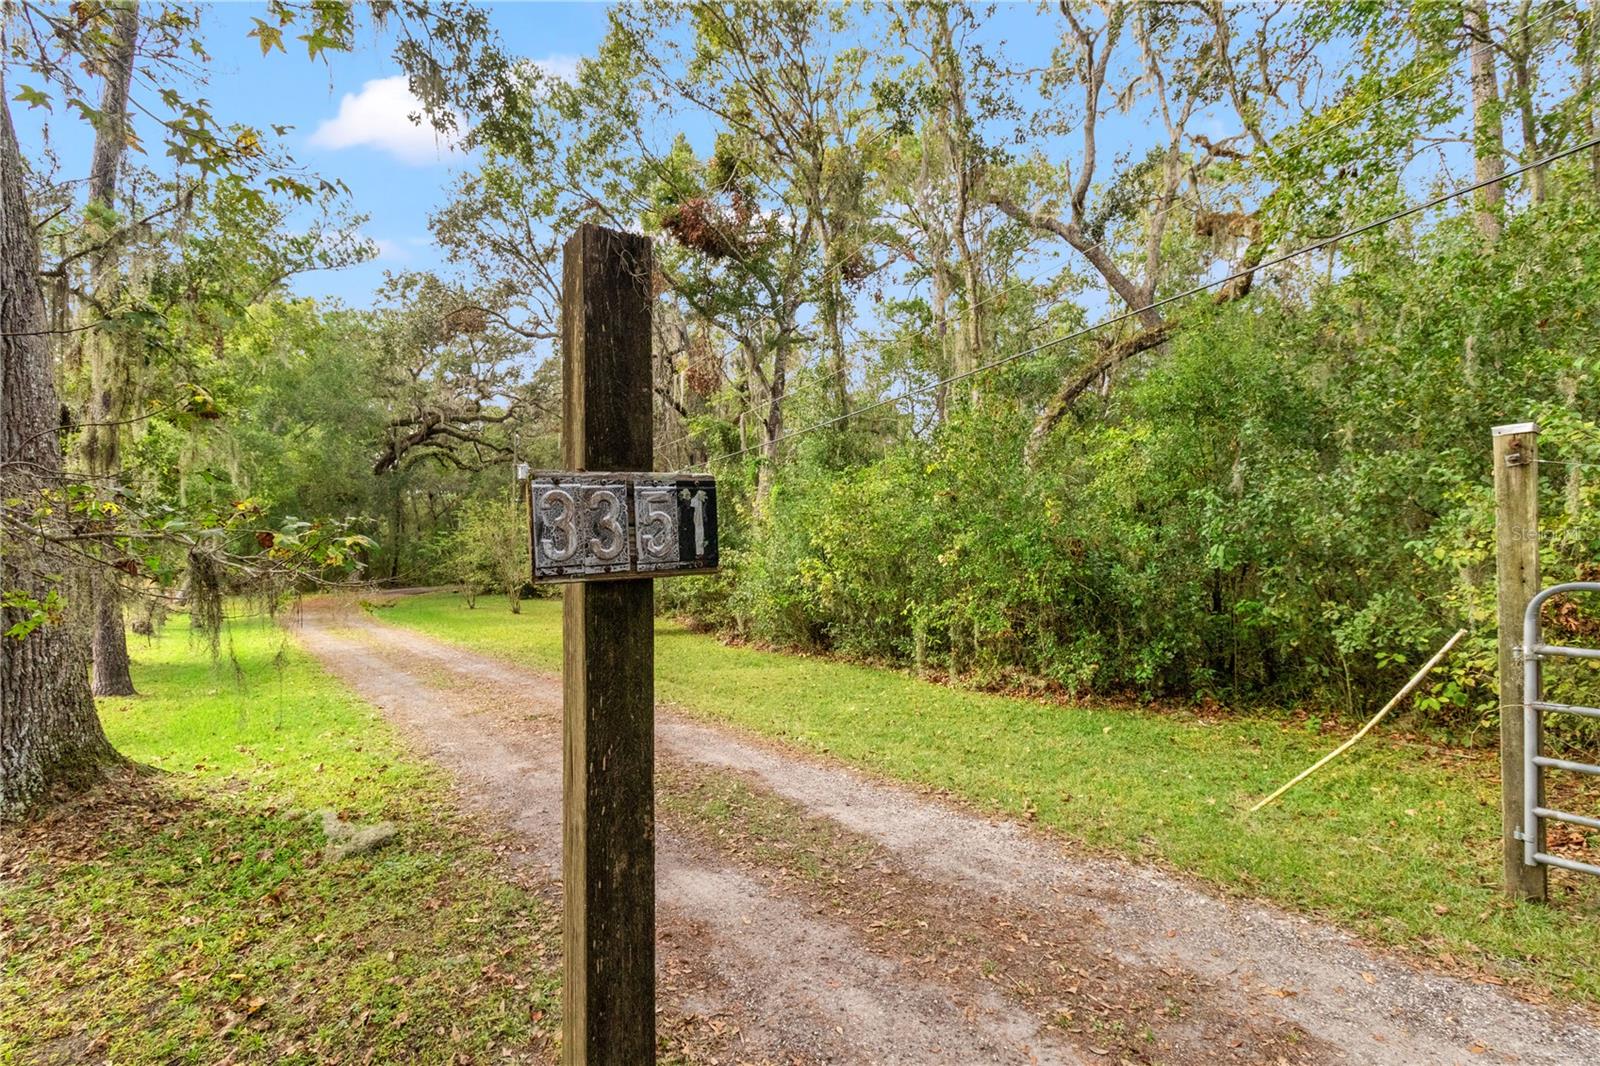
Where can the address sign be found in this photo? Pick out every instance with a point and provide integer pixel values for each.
(593, 527)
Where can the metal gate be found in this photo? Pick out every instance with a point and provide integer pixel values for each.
(1534, 764)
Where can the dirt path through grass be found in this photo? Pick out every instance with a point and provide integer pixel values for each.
(810, 914)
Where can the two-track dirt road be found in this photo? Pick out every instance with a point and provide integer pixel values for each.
(810, 914)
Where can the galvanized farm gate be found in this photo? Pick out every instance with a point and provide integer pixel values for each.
(1535, 706)
(1521, 595)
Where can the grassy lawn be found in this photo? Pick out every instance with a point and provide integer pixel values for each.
(191, 917)
(1396, 841)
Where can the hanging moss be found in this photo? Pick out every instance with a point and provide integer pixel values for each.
(205, 598)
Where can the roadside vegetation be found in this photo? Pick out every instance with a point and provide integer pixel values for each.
(1139, 353)
(1398, 841)
(190, 916)
(1124, 349)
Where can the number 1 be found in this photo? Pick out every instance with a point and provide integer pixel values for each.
(697, 503)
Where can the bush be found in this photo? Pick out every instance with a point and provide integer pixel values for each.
(488, 550)
(1293, 502)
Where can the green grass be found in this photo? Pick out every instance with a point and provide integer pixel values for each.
(1396, 841)
(191, 918)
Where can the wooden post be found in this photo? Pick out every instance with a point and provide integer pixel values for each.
(1516, 537)
(609, 760)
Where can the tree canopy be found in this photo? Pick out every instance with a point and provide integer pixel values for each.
(1026, 366)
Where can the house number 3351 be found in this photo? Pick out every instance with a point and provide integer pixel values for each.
(595, 526)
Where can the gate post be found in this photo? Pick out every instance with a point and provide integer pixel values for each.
(1516, 539)
(608, 828)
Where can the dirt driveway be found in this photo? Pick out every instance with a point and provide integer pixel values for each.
(811, 914)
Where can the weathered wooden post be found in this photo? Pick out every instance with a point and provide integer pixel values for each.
(608, 831)
(1516, 536)
(611, 532)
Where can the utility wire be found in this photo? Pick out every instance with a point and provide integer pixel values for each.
(1193, 197)
(1124, 316)
(1271, 149)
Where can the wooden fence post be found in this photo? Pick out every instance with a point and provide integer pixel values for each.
(608, 831)
(1516, 536)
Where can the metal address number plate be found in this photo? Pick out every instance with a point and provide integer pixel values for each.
(589, 527)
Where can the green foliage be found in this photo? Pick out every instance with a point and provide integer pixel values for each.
(488, 549)
(33, 611)
(1285, 502)
(1293, 504)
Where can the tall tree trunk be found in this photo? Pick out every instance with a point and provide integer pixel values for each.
(108, 365)
(832, 312)
(954, 125)
(1488, 129)
(111, 135)
(1587, 27)
(938, 255)
(972, 305)
(936, 244)
(49, 733)
(397, 527)
(111, 675)
(769, 464)
(1522, 77)
(771, 424)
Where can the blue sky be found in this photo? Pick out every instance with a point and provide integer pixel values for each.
(349, 113)
(349, 119)
(350, 122)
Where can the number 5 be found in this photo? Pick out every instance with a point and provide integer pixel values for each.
(657, 519)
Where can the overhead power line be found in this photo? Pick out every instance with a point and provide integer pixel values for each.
(1190, 198)
(1314, 246)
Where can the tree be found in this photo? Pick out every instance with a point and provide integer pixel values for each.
(773, 226)
(1186, 64)
(934, 174)
(55, 525)
(1488, 138)
(106, 407)
(451, 371)
(49, 732)
(489, 549)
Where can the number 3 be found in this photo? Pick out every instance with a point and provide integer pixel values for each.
(609, 541)
(566, 525)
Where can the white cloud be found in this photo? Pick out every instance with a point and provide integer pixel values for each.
(379, 116)
(560, 65)
(391, 251)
